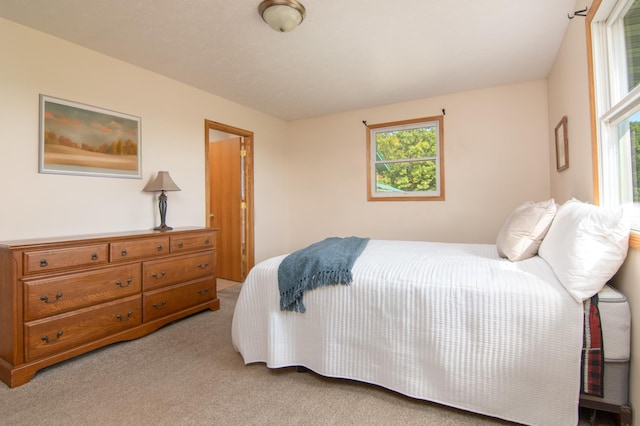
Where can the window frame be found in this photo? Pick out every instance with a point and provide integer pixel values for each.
(610, 105)
(439, 194)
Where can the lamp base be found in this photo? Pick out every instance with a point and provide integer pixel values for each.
(162, 228)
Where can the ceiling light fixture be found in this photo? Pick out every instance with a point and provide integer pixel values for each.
(282, 15)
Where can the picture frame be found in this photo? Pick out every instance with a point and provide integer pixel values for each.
(562, 145)
(80, 139)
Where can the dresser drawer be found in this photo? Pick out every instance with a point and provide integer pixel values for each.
(70, 330)
(134, 249)
(51, 296)
(159, 273)
(41, 261)
(193, 242)
(158, 303)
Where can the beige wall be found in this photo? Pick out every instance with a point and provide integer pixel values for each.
(172, 114)
(569, 95)
(309, 174)
(496, 157)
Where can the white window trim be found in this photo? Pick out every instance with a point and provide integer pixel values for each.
(611, 106)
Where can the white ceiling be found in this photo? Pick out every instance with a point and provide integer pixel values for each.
(346, 54)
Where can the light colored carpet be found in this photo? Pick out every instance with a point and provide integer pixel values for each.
(187, 373)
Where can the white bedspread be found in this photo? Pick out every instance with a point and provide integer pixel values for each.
(448, 323)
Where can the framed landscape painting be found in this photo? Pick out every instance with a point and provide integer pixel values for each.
(81, 139)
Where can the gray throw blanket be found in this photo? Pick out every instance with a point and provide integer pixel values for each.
(327, 262)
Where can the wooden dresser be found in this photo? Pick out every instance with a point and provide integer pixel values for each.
(66, 296)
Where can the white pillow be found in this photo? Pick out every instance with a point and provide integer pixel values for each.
(585, 246)
(522, 233)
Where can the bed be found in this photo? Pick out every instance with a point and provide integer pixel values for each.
(463, 325)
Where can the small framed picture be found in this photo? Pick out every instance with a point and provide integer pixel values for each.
(562, 145)
(79, 139)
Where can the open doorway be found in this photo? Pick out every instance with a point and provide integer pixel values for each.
(229, 197)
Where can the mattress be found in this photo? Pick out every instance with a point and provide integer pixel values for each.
(615, 319)
(448, 323)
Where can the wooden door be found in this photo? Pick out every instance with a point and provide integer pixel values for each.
(233, 262)
(227, 206)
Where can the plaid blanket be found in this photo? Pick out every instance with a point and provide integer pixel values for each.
(592, 378)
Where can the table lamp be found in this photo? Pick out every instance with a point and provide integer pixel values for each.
(162, 182)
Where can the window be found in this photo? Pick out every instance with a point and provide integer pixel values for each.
(405, 160)
(615, 37)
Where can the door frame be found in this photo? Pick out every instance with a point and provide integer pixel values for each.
(248, 185)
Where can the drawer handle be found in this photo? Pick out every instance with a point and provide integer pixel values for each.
(162, 305)
(46, 339)
(120, 283)
(43, 263)
(204, 291)
(206, 241)
(205, 266)
(121, 318)
(94, 256)
(162, 274)
(180, 244)
(124, 251)
(45, 299)
(159, 247)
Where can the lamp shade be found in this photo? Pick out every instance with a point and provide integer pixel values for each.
(282, 15)
(162, 182)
